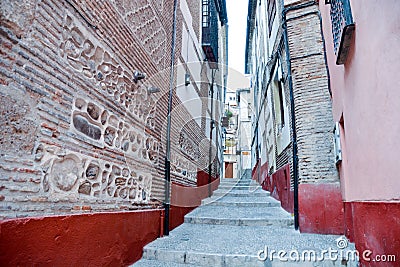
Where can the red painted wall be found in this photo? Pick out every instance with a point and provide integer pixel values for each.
(202, 178)
(376, 227)
(184, 198)
(102, 239)
(177, 215)
(321, 209)
(278, 184)
(254, 172)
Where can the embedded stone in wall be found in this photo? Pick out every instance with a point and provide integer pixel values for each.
(109, 136)
(92, 171)
(69, 173)
(83, 125)
(143, 19)
(85, 188)
(188, 146)
(113, 132)
(93, 111)
(85, 54)
(65, 172)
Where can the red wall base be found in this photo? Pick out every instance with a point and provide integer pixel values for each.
(375, 227)
(102, 239)
(254, 172)
(177, 215)
(278, 184)
(321, 209)
(185, 198)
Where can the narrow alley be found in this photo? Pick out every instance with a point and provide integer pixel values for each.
(199, 133)
(234, 225)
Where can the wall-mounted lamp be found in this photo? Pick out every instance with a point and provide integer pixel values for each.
(137, 75)
(187, 79)
(152, 90)
(212, 124)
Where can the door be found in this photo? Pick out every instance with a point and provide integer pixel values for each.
(228, 169)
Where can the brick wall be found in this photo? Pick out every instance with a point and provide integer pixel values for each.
(314, 122)
(78, 133)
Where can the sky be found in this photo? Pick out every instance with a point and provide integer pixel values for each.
(237, 21)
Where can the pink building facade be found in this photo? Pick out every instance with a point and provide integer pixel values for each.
(366, 104)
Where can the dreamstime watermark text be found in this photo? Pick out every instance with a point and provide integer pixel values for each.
(341, 252)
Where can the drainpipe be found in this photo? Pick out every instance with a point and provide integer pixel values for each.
(167, 200)
(212, 125)
(238, 96)
(292, 109)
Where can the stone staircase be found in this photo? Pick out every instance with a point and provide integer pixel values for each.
(241, 225)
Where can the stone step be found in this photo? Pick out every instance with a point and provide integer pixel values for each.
(238, 187)
(236, 181)
(232, 185)
(156, 263)
(240, 222)
(239, 216)
(243, 202)
(231, 199)
(224, 245)
(240, 193)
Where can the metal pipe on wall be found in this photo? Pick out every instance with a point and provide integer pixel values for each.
(167, 200)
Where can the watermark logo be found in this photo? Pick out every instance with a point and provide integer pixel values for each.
(342, 251)
(342, 242)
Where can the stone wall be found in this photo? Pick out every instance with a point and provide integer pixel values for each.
(79, 133)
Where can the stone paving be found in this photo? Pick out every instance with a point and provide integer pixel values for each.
(235, 227)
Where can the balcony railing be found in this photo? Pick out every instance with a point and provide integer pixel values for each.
(342, 28)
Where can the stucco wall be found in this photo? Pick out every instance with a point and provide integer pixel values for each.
(365, 92)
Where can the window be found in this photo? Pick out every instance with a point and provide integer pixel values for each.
(271, 14)
(282, 110)
(279, 98)
(206, 14)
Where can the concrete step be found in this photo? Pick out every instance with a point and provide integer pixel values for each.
(239, 216)
(156, 263)
(240, 193)
(243, 202)
(235, 181)
(238, 187)
(225, 245)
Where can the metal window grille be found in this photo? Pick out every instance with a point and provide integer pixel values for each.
(210, 32)
(271, 14)
(206, 14)
(342, 28)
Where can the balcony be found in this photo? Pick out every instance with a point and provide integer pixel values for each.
(342, 28)
(210, 32)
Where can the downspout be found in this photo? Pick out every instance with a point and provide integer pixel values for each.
(211, 134)
(292, 109)
(167, 200)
